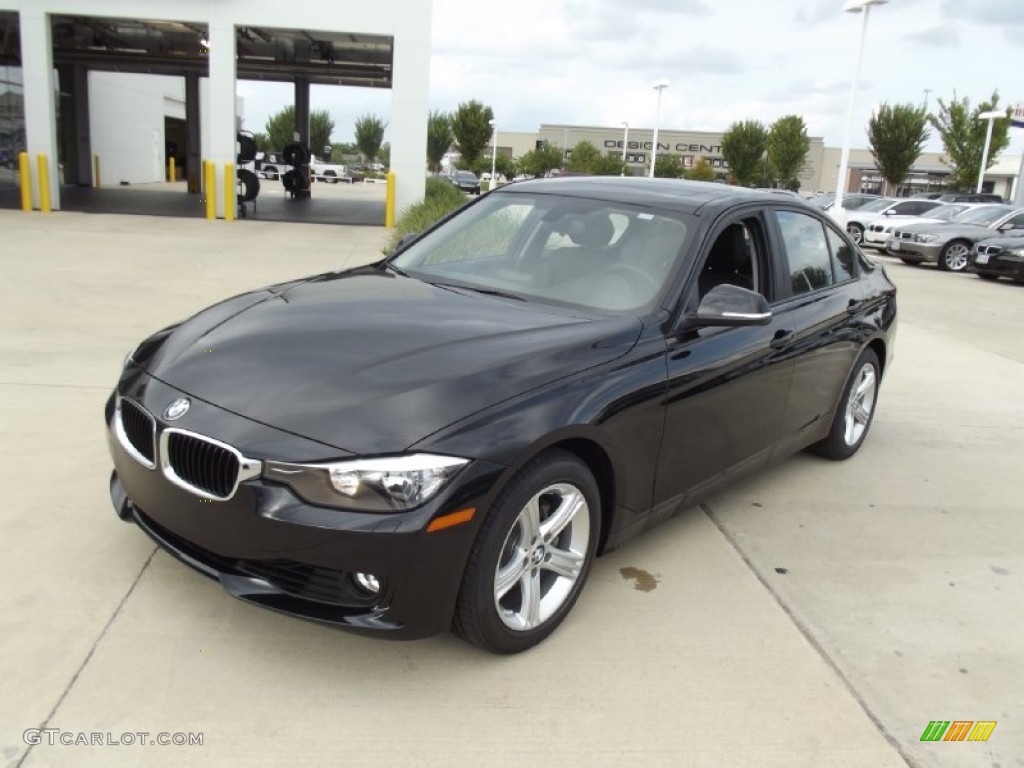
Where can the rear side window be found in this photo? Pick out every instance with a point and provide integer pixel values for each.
(842, 257)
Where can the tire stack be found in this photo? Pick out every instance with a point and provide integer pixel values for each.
(248, 182)
(296, 180)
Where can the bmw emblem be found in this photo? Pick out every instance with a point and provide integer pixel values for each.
(177, 409)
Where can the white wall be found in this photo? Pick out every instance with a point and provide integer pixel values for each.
(126, 123)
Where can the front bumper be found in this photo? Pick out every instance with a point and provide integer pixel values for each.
(877, 240)
(267, 546)
(915, 251)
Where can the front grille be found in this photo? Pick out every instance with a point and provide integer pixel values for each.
(140, 429)
(203, 465)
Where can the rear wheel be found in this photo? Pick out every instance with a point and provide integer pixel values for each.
(856, 410)
(531, 557)
(954, 256)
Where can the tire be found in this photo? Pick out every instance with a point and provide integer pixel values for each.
(289, 180)
(856, 232)
(271, 173)
(250, 185)
(516, 590)
(330, 177)
(295, 154)
(953, 257)
(856, 410)
(246, 148)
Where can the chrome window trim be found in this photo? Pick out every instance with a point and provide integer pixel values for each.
(122, 436)
(247, 468)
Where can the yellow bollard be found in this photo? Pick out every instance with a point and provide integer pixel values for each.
(210, 188)
(170, 169)
(229, 192)
(389, 205)
(25, 174)
(44, 183)
(96, 171)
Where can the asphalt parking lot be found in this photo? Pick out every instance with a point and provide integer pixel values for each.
(816, 614)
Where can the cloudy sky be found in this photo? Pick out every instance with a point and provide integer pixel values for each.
(592, 62)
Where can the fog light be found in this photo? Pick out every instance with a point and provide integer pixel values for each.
(368, 583)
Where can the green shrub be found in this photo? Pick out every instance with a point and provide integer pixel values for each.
(441, 198)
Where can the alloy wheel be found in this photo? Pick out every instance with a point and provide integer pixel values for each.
(542, 557)
(860, 403)
(955, 257)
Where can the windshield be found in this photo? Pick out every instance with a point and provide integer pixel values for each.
(466, 175)
(877, 206)
(597, 254)
(985, 215)
(946, 212)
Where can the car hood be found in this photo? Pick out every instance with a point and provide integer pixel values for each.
(903, 222)
(949, 230)
(1005, 241)
(372, 362)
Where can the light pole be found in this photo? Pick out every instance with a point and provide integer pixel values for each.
(659, 86)
(991, 116)
(625, 141)
(852, 6)
(494, 154)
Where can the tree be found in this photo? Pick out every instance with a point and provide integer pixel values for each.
(541, 161)
(701, 171)
(439, 138)
(609, 164)
(743, 147)
(281, 128)
(669, 167)
(897, 134)
(788, 146)
(963, 137)
(369, 130)
(262, 142)
(583, 158)
(472, 130)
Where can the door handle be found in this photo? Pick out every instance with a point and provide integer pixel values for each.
(782, 339)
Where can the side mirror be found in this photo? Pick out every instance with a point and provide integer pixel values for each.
(405, 241)
(1006, 227)
(731, 305)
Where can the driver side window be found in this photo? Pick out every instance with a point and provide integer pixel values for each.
(734, 259)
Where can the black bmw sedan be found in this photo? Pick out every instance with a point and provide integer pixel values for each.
(449, 437)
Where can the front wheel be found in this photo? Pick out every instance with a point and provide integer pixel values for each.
(954, 257)
(856, 410)
(532, 555)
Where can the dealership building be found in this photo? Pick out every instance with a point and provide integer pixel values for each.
(820, 171)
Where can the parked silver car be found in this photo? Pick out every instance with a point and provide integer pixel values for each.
(949, 243)
(877, 235)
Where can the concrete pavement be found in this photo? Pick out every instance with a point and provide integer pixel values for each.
(725, 662)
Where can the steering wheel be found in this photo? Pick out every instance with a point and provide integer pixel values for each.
(632, 271)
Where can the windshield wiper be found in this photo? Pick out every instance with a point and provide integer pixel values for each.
(480, 289)
(396, 270)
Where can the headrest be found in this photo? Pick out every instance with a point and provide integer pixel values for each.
(593, 230)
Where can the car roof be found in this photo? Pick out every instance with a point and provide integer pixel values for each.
(668, 194)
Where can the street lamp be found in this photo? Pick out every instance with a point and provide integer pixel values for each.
(991, 116)
(625, 141)
(659, 86)
(852, 6)
(494, 153)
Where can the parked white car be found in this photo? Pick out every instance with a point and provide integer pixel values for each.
(877, 234)
(858, 220)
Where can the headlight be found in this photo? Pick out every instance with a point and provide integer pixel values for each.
(926, 238)
(1014, 251)
(392, 484)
